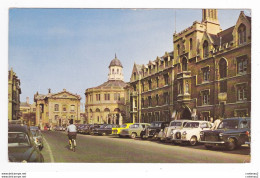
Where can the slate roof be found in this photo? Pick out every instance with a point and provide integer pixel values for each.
(111, 84)
(226, 36)
(115, 62)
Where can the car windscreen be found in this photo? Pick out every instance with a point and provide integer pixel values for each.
(176, 123)
(155, 124)
(134, 126)
(228, 124)
(35, 133)
(18, 139)
(191, 125)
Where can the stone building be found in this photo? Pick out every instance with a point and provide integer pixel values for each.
(207, 75)
(28, 112)
(14, 91)
(105, 103)
(56, 109)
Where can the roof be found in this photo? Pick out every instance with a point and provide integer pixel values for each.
(248, 18)
(112, 84)
(38, 96)
(115, 62)
(24, 104)
(225, 35)
(17, 128)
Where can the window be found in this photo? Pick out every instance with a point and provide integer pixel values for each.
(157, 99)
(180, 87)
(149, 101)
(157, 82)
(134, 76)
(117, 71)
(117, 96)
(150, 84)
(178, 50)
(166, 62)
(97, 97)
(241, 92)
(222, 68)
(56, 117)
(134, 87)
(166, 78)
(223, 86)
(142, 102)
(184, 64)
(72, 108)
(64, 108)
(205, 72)
(107, 96)
(205, 97)
(56, 107)
(150, 69)
(143, 86)
(241, 34)
(190, 43)
(205, 49)
(242, 65)
(166, 98)
(113, 71)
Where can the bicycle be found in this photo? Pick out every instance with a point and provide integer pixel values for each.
(73, 144)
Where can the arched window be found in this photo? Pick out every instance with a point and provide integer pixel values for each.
(222, 68)
(184, 64)
(113, 71)
(117, 71)
(107, 110)
(190, 43)
(97, 110)
(56, 107)
(241, 34)
(205, 49)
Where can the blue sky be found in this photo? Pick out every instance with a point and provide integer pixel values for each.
(72, 48)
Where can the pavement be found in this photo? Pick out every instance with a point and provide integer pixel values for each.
(111, 149)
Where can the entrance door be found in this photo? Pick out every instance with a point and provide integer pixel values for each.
(186, 114)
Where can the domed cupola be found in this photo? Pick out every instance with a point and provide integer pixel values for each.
(115, 70)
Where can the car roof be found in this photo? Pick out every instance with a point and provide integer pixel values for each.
(17, 128)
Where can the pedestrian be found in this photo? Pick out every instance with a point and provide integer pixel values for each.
(216, 123)
(211, 121)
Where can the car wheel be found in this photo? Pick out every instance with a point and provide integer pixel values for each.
(208, 147)
(133, 135)
(193, 141)
(104, 134)
(231, 144)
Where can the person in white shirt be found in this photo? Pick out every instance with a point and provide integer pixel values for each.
(216, 123)
(72, 131)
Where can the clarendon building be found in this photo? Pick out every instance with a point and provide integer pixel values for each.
(106, 103)
(14, 91)
(207, 75)
(56, 109)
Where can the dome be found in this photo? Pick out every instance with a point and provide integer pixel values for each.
(115, 62)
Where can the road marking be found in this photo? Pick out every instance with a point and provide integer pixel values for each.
(49, 150)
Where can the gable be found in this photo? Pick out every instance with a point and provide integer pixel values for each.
(65, 95)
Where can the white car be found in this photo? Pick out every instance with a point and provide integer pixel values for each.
(190, 132)
(166, 134)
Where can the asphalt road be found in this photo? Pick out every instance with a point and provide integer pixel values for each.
(109, 149)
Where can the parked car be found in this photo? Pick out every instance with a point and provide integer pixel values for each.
(153, 130)
(37, 136)
(21, 146)
(83, 128)
(92, 127)
(231, 133)
(80, 127)
(190, 133)
(134, 130)
(117, 131)
(105, 129)
(167, 133)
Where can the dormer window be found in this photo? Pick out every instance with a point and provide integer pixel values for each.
(205, 49)
(241, 34)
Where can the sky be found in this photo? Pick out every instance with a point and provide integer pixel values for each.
(72, 48)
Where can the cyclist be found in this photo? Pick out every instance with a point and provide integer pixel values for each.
(72, 132)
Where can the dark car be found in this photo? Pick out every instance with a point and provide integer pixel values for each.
(21, 146)
(83, 129)
(153, 130)
(80, 128)
(231, 133)
(37, 136)
(92, 127)
(105, 129)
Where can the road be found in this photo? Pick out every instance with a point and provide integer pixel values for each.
(110, 149)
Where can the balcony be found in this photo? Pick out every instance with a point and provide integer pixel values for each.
(222, 96)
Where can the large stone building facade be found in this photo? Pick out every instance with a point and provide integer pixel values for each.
(207, 75)
(56, 109)
(14, 91)
(106, 102)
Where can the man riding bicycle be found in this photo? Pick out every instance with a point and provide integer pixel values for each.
(72, 132)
